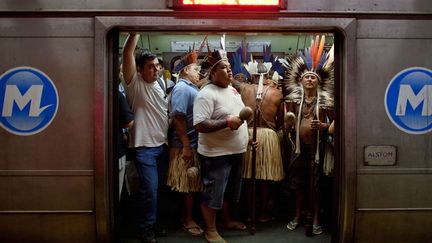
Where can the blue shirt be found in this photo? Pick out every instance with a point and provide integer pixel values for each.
(182, 101)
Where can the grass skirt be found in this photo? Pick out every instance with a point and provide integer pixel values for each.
(178, 178)
(269, 164)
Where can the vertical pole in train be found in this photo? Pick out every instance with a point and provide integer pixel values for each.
(312, 189)
(310, 211)
(254, 139)
(253, 199)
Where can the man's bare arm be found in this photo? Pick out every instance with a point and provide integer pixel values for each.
(129, 65)
(180, 127)
(209, 125)
(129, 125)
(206, 126)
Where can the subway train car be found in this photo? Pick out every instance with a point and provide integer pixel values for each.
(59, 73)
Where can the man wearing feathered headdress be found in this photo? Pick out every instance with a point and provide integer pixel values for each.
(222, 140)
(269, 120)
(308, 92)
(183, 172)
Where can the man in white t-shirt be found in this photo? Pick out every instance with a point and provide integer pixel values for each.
(222, 140)
(148, 136)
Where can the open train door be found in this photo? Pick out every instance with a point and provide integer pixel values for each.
(107, 35)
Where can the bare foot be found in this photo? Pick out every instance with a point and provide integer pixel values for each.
(213, 237)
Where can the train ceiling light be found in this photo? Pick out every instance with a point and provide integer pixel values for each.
(228, 4)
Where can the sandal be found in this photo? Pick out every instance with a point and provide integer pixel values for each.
(292, 225)
(316, 229)
(193, 230)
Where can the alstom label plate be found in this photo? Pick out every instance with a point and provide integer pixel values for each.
(380, 155)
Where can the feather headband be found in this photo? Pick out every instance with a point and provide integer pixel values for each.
(314, 61)
(213, 58)
(190, 57)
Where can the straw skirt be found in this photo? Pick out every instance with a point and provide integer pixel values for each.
(178, 178)
(269, 164)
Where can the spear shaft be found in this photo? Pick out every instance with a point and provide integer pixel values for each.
(254, 139)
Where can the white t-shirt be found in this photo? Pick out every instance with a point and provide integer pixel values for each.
(214, 102)
(150, 106)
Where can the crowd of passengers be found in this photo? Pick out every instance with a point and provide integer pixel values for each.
(228, 124)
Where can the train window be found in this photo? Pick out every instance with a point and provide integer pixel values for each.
(295, 173)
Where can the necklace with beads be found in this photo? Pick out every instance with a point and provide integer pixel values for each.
(308, 107)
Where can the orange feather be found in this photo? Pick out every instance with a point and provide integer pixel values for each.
(314, 52)
(311, 49)
(320, 50)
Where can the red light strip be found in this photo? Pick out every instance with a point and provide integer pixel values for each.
(231, 2)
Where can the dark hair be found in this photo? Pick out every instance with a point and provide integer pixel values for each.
(142, 56)
(161, 62)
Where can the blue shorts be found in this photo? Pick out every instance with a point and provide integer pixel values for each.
(221, 176)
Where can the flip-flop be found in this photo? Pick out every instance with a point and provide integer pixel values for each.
(316, 229)
(193, 230)
(292, 225)
(214, 241)
(233, 226)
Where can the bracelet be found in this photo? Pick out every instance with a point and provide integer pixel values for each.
(228, 121)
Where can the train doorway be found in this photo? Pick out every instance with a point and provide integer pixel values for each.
(107, 48)
(272, 226)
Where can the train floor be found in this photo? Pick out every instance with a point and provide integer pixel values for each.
(274, 231)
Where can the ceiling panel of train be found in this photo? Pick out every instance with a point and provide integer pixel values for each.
(170, 45)
(421, 6)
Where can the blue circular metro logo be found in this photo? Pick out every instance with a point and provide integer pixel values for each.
(28, 101)
(408, 100)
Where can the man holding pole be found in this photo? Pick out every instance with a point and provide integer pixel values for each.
(264, 166)
(147, 98)
(308, 91)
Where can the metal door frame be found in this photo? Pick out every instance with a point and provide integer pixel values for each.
(344, 29)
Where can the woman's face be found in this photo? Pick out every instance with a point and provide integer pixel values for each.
(221, 75)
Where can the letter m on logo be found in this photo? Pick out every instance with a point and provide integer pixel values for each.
(33, 96)
(406, 94)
